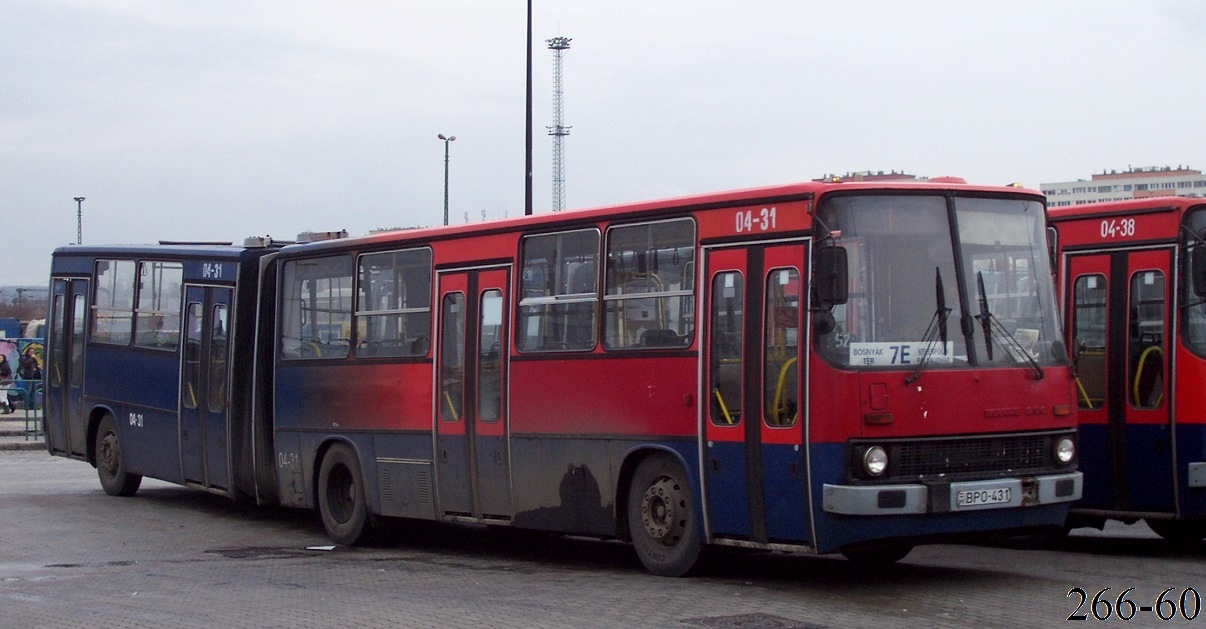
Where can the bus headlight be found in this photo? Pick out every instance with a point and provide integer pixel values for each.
(875, 461)
(1065, 450)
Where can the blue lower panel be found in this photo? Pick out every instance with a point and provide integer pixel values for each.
(728, 496)
(835, 531)
(785, 510)
(786, 505)
(150, 442)
(452, 468)
(1148, 473)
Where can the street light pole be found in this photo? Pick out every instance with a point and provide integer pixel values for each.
(527, 180)
(446, 141)
(79, 220)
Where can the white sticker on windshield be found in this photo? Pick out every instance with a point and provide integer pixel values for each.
(904, 353)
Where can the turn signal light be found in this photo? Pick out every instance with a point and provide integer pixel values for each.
(877, 419)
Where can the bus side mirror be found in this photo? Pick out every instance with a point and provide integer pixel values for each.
(831, 276)
(1053, 248)
(1197, 269)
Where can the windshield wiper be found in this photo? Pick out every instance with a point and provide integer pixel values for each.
(988, 321)
(937, 327)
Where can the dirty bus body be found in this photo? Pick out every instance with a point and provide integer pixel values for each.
(1133, 281)
(818, 367)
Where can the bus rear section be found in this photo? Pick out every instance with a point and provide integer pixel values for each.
(1133, 280)
(151, 353)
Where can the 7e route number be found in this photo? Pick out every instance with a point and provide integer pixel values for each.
(750, 221)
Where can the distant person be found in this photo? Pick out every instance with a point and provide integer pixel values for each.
(29, 369)
(6, 380)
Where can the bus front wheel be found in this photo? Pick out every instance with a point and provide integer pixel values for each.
(662, 519)
(1179, 530)
(341, 500)
(110, 466)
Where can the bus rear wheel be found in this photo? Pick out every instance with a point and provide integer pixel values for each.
(110, 466)
(341, 500)
(662, 519)
(1179, 530)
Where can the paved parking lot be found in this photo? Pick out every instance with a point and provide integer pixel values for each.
(171, 557)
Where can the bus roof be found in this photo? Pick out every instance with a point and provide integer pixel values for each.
(748, 196)
(172, 250)
(1128, 206)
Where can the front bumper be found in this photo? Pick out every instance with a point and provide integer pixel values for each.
(948, 497)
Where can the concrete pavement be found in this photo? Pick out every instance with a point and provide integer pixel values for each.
(21, 431)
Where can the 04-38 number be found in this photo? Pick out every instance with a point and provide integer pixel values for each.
(748, 220)
(1165, 608)
(1123, 228)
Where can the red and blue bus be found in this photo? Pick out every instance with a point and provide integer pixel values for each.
(819, 367)
(1133, 279)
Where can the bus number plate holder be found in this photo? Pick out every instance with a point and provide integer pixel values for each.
(983, 497)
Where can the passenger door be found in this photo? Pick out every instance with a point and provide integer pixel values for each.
(755, 342)
(472, 450)
(1118, 331)
(66, 423)
(204, 390)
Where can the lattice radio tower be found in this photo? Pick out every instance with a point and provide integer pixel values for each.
(558, 130)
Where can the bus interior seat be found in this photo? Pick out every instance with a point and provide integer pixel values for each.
(660, 338)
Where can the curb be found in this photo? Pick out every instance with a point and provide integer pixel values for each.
(23, 445)
(13, 435)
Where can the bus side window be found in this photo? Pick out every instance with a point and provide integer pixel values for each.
(649, 285)
(559, 291)
(781, 403)
(1089, 335)
(1145, 363)
(452, 357)
(725, 348)
(316, 308)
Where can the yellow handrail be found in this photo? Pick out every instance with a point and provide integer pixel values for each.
(1084, 394)
(452, 407)
(779, 391)
(723, 407)
(1139, 374)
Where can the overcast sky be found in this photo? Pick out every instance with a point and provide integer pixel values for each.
(221, 119)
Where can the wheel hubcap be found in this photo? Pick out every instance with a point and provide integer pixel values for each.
(662, 509)
(110, 453)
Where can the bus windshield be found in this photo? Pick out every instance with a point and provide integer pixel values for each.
(926, 270)
(1194, 320)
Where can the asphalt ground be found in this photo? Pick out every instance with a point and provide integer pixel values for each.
(71, 556)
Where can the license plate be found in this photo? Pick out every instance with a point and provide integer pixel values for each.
(970, 498)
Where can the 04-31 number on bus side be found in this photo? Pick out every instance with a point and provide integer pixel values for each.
(751, 221)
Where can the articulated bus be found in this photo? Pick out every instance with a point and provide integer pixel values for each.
(1133, 279)
(817, 367)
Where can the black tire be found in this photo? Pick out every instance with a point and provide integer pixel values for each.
(662, 518)
(341, 500)
(1179, 530)
(879, 555)
(110, 466)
